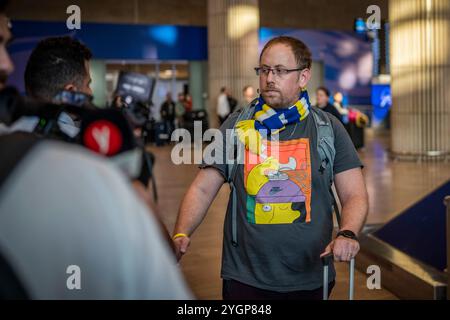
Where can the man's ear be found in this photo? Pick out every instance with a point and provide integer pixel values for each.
(303, 79)
(70, 87)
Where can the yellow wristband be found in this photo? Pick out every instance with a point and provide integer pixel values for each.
(179, 235)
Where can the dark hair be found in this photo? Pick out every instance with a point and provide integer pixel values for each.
(301, 51)
(54, 63)
(325, 90)
(223, 89)
(3, 5)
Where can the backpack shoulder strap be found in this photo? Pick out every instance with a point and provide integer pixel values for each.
(245, 114)
(325, 141)
(327, 152)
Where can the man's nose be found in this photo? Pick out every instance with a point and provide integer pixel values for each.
(270, 78)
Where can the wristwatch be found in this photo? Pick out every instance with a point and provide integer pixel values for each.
(347, 234)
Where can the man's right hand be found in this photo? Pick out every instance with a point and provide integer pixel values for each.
(192, 211)
(181, 244)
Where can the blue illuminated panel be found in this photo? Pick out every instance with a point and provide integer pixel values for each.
(381, 101)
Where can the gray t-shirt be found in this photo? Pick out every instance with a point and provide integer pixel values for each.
(284, 218)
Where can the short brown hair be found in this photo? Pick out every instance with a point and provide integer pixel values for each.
(301, 51)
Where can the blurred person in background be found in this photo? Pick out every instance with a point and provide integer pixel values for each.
(179, 110)
(249, 94)
(167, 112)
(323, 102)
(223, 106)
(338, 103)
(56, 64)
(188, 102)
(72, 227)
(64, 209)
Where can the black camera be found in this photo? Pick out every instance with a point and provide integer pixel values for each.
(104, 131)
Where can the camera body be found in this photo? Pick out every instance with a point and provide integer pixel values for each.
(104, 131)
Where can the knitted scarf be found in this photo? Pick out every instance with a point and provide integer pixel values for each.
(271, 120)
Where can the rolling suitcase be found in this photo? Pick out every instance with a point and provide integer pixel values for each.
(326, 260)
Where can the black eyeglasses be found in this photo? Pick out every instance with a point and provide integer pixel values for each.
(279, 72)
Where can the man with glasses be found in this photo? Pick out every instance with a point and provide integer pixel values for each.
(283, 222)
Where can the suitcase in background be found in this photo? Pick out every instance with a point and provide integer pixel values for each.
(161, 134)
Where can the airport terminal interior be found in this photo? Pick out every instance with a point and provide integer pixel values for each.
(167, 71)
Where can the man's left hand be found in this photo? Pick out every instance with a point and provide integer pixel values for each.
(343, 249)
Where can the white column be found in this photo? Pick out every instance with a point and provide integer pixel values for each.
(420, 66)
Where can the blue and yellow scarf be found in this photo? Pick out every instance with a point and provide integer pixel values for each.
(271, 121)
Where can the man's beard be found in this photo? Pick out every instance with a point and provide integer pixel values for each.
(276, 101)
